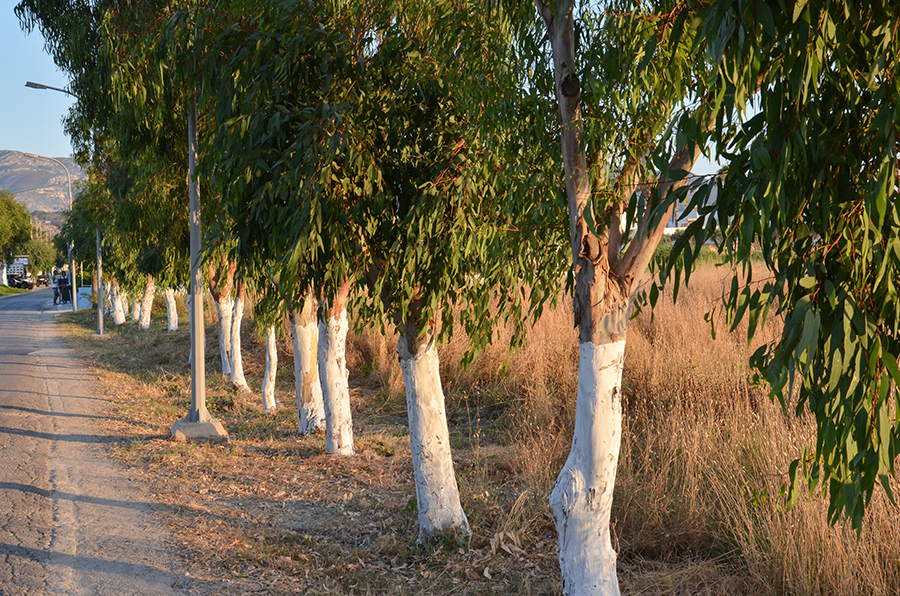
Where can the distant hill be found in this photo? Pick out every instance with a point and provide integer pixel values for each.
(39, 183)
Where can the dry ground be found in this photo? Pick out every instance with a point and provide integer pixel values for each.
(697, 509)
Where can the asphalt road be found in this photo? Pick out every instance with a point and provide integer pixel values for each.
(71, 521)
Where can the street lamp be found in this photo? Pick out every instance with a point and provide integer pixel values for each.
(71, 259)
(33, 85)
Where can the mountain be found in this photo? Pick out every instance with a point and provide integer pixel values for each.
(39, 183)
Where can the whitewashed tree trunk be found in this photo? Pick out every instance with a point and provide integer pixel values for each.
(607, 268)
(3, 280)
(237, 361)
(135, 310)
(335, 384)
(106, 298)
(224, 306)
(147, 302)
(305, 336)
(117, 304)
(581, 499)
(437, 494)
(171, 310)
(268, 385)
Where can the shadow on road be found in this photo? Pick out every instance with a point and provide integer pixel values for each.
(97, 567)
(63, 414)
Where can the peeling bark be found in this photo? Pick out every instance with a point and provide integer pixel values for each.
(305, 337)
(334, 377)
(237, 361)
(117, 300)
(581, 499)
(147, 302)
(605, 286)
(106, 298)
(221, 279)
(135, 310)
(171, 311)
(437, 494)
(268, 385)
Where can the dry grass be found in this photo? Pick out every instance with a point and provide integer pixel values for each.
(697, 506)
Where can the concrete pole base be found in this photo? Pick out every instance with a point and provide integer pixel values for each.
(209, 432)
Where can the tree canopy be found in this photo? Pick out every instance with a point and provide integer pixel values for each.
(809, 127)
(15, 225)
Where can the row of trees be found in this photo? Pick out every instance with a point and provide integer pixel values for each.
(398, 160)
(16, 231)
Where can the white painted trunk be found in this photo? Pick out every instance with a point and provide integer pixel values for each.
(237, 361)
(268, 385)
(581, 499)
(223, 308)
(3, 280)
(106, 298)
(135, 310)
(335, 385)
(310, 404)
(437, 494)
(147, 302)
(171, 310)
(118, 298)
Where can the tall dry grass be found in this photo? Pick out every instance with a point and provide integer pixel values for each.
(704, 453)
(697, 508)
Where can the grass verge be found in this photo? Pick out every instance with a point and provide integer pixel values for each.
(697, 507)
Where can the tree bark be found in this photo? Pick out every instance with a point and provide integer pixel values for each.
(334, 377)
(237, 361)
(437, 494)
(581, 499)
(117, 299)
(268, 385)
(3, 280)
(171, 311)
(605, 286)
(106, 297)
(224, 309)
(135, 310)
(221, 280)
(305, 337)
(147, 302)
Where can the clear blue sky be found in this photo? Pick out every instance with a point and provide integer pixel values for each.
(30, 119)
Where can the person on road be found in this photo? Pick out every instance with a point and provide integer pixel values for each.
(63, 284)
(54, 281)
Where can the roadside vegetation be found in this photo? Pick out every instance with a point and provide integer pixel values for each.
(697, 506)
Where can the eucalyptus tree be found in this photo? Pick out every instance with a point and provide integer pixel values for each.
(624, 83)
(15, 229)
(147, 214)
(811, 129)
(43, 256)
(354, 151)
(72, 34)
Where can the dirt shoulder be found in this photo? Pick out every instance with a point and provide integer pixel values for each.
(271, 513)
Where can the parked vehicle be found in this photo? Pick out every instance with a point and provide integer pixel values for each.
(42, 280)
(23, 282)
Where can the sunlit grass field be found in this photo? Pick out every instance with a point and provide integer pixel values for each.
(697, 507)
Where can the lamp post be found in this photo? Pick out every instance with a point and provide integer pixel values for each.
(71, 258)
(99, 272)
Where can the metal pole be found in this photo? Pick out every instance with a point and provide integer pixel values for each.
(198, 412)
(72, 281)
(100, 292)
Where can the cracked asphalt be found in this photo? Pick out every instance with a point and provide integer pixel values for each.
(71, 520)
